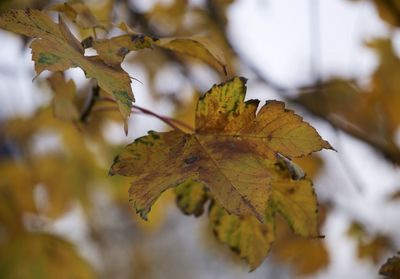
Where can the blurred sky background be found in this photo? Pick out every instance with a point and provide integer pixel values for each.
(291, 41)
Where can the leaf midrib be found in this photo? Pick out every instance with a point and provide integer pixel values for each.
(246, 201)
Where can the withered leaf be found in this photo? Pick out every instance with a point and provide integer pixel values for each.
(196, 47)
(56, 49)
(391, 268)
(112, 51)
(233, 152)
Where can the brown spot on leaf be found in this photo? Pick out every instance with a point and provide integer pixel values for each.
(291, 191)
(191, 160)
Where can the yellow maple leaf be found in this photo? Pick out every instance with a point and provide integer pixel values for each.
(233, 152)
(112, 51)
(391, 268)
(56, 49)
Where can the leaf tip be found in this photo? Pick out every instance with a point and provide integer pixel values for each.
(112, 171)
(243, 79)
(143, 213)
(327, 145)
(126, 127)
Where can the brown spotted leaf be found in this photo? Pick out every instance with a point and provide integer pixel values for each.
(391, 268)
(199, 48)
(113, 51)
(233, 153)
(56, 49)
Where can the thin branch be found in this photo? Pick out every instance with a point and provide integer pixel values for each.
(183, 124)
(164, 119)
(88, 109)
(168, 120)
(176, 121)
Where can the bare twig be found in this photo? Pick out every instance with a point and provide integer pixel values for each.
(162, 118)
(92, 100)
(176, 121)
(168, 120)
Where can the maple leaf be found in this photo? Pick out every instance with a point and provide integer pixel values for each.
(197, 47)
(113, 51)
(233, 152)
(245, 235)
(391, 268)
(56, 49)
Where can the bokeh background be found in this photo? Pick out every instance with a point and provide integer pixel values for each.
(335, 62)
